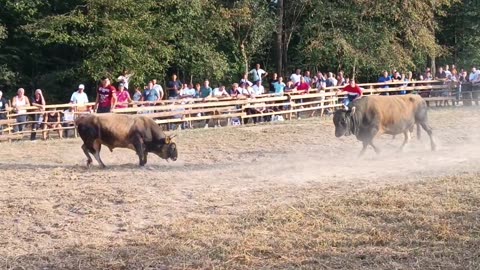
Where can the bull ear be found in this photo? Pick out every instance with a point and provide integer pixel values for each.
(168, 140)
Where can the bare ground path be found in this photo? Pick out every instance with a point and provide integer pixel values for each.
(209, 207)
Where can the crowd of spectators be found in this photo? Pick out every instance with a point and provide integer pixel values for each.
(252, 84)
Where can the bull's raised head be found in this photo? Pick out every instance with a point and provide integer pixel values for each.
(169, 149)
(342, 120)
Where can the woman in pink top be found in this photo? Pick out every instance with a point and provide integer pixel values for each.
(123, 97)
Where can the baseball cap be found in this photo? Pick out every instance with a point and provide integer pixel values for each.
(81, 86)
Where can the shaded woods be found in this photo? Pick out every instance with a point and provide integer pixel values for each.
(55, 45)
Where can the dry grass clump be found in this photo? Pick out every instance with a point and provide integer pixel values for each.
(425, 225)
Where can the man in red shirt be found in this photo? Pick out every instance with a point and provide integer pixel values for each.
(106, 97)
(302, 86)
(353, 92)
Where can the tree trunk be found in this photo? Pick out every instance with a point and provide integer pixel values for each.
(244, 55)
(433, 68)
(279, 39)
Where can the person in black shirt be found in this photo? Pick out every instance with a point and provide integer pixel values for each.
(271, 83)
(3, 107)
(173, 87)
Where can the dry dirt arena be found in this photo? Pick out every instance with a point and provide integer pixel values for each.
(273, 196)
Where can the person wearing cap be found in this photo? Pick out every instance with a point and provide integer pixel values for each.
(106, 97)
(123, 97)
(79, 97)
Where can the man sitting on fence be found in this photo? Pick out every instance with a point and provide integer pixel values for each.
(353, 92)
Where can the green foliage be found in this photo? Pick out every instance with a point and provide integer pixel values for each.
(355, 35)
(54, 44)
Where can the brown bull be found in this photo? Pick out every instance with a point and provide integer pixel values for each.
(376, 115)
(136, 132)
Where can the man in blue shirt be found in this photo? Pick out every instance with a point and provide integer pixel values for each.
(279, 87)
(150, 94)
(206, 90)
(385, 79)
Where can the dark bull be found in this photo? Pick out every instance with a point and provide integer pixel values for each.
(136, 132)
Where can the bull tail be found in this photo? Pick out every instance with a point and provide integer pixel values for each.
(419, 131)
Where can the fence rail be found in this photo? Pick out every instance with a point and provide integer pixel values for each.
(230, 110)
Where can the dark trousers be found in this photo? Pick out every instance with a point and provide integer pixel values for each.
(103, 109)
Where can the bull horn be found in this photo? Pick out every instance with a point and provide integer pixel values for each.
(168, 139)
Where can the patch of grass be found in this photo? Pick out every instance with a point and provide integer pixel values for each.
(425, 225)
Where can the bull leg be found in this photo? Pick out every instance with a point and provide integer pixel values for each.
(89, 158)
(141, 152)
(406, 135)
(96, 147)
(428, 129)
(145, 157)
(419, 131)
(377, 150)
(365, 144)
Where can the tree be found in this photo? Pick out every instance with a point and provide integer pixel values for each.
(362, 38)
(251, 23)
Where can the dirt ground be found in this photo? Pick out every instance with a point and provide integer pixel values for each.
(272, 196)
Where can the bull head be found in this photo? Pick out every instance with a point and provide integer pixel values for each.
(342, 121)
(169, 150)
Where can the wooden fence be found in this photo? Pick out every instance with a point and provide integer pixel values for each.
(188, 113)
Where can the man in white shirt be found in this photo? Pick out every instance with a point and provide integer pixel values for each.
(295, 77)
(158, 88)
(258, 74)
(474, 76)
(258, 88)
(79, 97)
(220, 92)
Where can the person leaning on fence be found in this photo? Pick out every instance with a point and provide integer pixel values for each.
(158, 88)
(220, 92)
(173, 87)
(150, 95)
(38, 101)
(123, 97)
(206, 93)
(137, 96)
(79, 97)
(3, 109)
(18, 103)
(52, 121)
(106, 97)
(3, 106)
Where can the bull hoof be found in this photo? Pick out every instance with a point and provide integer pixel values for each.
(89, 163)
